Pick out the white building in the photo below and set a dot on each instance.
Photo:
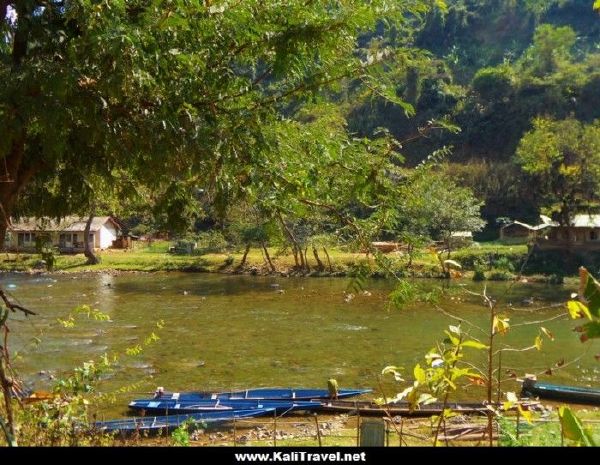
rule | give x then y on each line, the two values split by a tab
66	234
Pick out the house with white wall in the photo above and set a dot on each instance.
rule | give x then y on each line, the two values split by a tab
66	234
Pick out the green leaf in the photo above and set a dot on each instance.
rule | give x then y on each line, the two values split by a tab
572	427
420	374
474	344
591	292
453	339
591	330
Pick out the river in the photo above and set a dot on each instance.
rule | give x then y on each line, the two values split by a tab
228	332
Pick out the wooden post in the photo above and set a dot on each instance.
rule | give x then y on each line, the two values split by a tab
318	430
387	434
357	428
275	428
234	435
372	433
401	428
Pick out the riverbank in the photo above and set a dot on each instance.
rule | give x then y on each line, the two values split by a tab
488	261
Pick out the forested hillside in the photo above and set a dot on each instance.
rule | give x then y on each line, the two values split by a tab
491	67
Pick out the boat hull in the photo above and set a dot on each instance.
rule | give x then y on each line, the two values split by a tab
155	424
569	394
176	407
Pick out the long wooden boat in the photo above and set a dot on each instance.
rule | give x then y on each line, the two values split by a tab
368	408
571	394
153	424
261	394
176	407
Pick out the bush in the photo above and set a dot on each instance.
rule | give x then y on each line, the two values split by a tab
479	275
211	242
501	275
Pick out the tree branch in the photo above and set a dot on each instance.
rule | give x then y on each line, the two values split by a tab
15	307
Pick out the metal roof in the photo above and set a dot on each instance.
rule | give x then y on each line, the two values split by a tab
586	220
67	224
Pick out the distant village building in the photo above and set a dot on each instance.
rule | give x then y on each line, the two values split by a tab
582	234
522	233
67	234
460	239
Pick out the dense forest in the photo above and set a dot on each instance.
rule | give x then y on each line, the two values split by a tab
491	67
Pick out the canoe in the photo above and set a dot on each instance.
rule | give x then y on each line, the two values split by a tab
368	408
572	394
153	424
261	394
176	407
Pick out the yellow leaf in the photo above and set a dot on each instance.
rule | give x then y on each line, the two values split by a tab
526	414
500	325
547	333
578	310
538	343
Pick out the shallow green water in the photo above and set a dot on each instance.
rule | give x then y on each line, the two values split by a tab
225	332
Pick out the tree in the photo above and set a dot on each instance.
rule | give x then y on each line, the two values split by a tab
551	48
175	94
434	205
561	158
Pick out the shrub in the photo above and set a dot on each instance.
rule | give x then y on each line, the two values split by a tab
479	275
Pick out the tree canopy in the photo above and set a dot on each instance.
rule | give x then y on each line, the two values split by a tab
165	96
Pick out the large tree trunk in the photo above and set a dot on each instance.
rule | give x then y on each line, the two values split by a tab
88	251
15	170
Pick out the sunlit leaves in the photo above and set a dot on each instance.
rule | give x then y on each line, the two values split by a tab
573	429
500	324
394	370
587	307
474	344
578	310
89	312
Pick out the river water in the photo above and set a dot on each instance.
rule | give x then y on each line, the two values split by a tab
232	332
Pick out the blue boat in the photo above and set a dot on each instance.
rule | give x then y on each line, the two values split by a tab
153	424
570	394
169	406
260	394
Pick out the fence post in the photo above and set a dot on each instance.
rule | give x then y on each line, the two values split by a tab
234	435
318	429
372	433
275	428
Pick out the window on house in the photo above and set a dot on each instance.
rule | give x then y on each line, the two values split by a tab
593	235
